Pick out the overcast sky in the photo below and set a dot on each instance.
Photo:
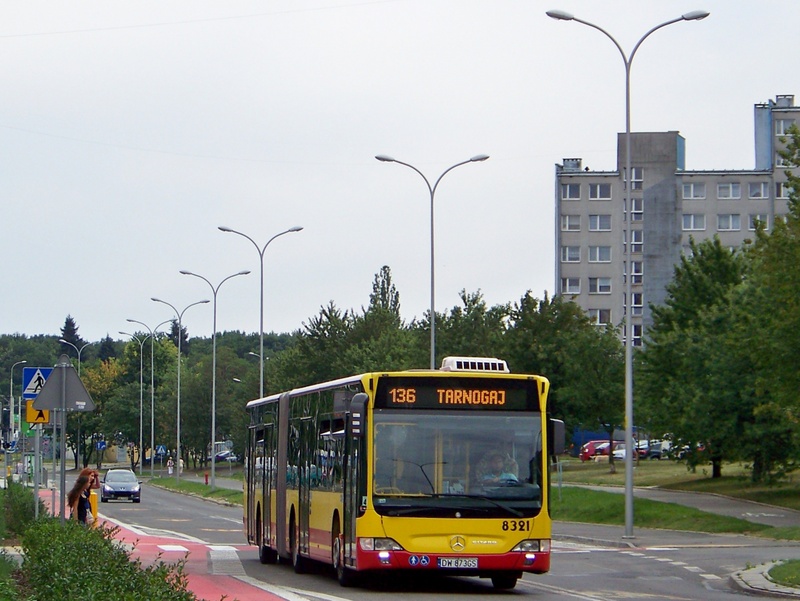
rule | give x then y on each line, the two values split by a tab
129	131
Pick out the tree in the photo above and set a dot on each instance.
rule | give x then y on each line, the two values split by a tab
686	382
555	338
384	294
107	349
69	332
473	329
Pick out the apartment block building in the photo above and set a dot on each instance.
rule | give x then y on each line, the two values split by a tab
668	206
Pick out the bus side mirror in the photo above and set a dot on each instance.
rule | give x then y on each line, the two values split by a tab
556	436
356	423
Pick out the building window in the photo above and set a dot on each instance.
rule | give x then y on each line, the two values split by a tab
762	219
570	285
570	191
694	191
599	285
599	254
782	190
638	303
570	223
599	191
694	222
729	191
758	190
728	223
638	241
599	223
570	254
637	335
638	272
782	126
637	179
781	162
637	209
600	317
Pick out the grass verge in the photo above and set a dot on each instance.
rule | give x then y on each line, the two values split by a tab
583	505
234	497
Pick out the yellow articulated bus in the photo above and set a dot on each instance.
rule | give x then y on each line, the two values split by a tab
424	470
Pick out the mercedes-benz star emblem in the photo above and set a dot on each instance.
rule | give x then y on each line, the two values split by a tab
457	543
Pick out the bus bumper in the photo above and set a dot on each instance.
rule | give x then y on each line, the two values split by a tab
465	565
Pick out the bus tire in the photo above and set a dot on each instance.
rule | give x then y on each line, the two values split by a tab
344	575
504	581
298	561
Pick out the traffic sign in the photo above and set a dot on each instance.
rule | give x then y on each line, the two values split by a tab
35	416
64	390
33	379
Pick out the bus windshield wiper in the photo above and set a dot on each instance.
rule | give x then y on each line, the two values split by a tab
494	502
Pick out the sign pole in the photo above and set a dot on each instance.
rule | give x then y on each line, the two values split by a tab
63	442
36	469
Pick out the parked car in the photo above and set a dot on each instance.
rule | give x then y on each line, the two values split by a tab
589	449
226	456
659	449
120	484
641	450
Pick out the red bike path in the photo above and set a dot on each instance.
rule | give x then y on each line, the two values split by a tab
202	561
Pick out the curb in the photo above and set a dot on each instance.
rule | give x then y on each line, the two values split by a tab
757	581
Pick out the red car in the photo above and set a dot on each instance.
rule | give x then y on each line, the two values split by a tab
589	449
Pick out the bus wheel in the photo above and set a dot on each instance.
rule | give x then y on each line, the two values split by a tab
504	581
344	575
298	562
265	554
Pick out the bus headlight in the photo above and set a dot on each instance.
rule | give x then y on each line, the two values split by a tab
379	544
533	546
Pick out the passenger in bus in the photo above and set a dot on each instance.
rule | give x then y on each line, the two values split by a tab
496	468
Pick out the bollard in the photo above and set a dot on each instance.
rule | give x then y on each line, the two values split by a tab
206	478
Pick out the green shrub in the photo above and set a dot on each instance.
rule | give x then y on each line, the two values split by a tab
70	561
18	509
8	589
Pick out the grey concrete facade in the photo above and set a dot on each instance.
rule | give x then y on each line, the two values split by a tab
669	206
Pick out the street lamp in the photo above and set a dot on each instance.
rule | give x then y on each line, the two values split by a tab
179	315
11	411
432	190
152	389
77	350
261	251
696	15
141	394
214	371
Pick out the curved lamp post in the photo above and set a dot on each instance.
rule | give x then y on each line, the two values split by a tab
77	350
11	410
152	389
214	290
179	315
628	269
141	394
261	250
432	189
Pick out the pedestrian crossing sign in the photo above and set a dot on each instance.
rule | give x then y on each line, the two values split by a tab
33	379
36	416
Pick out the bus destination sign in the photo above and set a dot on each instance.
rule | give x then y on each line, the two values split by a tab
491	394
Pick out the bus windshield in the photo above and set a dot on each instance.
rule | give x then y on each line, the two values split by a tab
424	462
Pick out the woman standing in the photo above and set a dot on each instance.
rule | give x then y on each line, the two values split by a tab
78	499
